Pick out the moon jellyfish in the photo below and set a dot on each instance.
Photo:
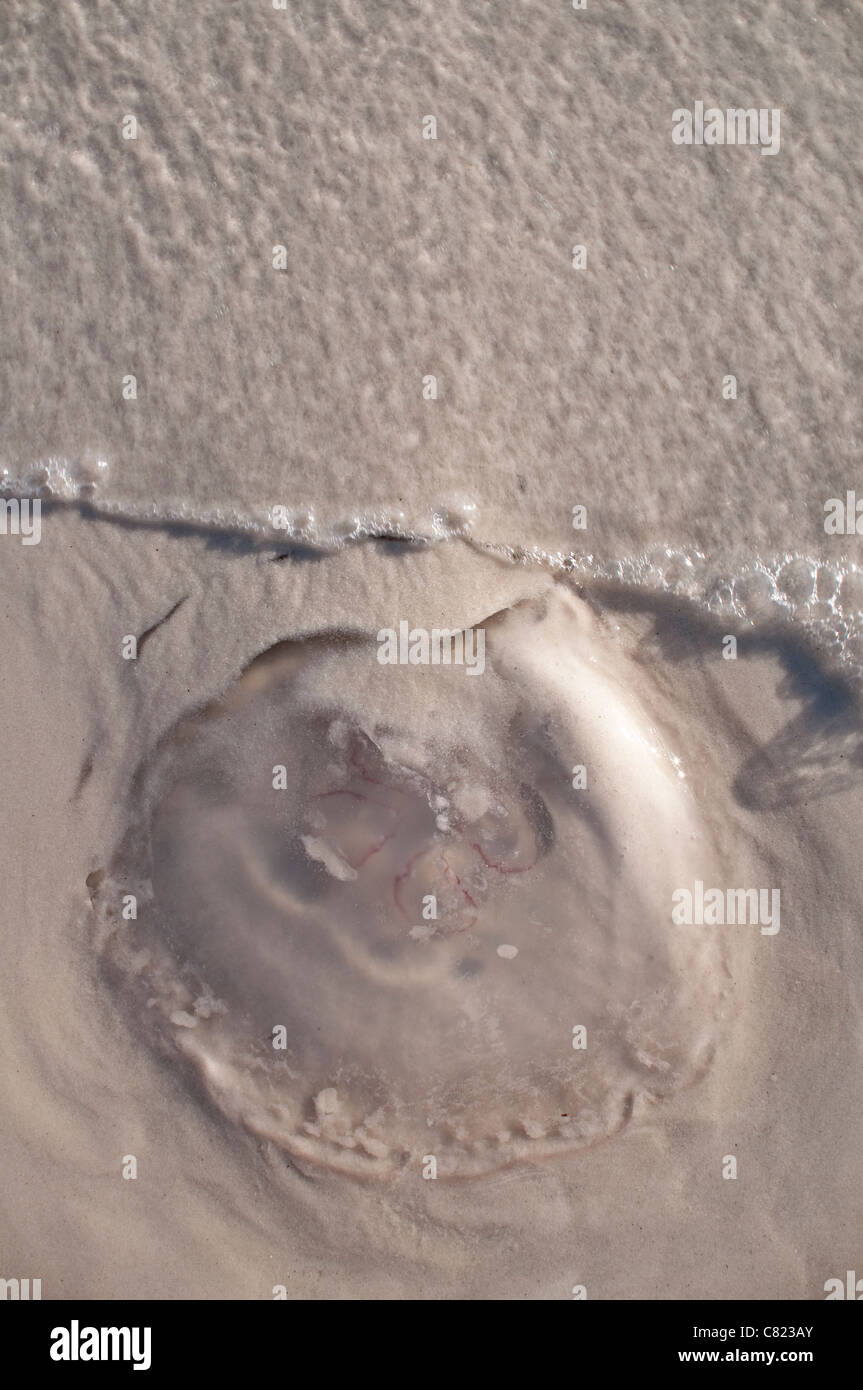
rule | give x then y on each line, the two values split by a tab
388	913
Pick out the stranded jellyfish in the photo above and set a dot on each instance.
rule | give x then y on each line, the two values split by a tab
382	920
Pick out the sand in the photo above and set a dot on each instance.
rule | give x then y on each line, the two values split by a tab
281	1036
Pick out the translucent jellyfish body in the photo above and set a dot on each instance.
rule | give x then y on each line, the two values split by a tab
391	913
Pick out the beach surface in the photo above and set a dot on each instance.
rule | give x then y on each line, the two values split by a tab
285	374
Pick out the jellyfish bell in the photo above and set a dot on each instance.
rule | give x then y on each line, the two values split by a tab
425	909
